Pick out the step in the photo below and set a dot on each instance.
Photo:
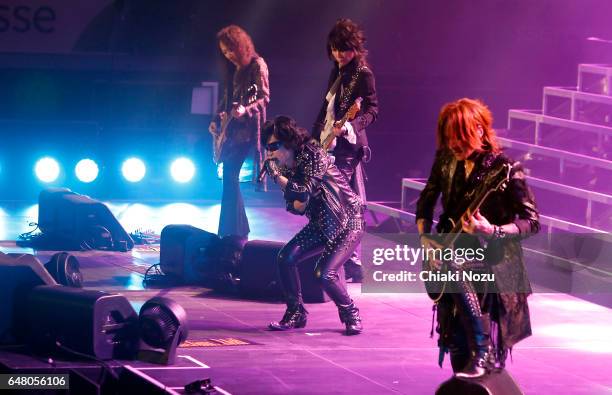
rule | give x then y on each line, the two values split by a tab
551	222
594	78
591	196
577	99
555	153
387	209
540	119
418	183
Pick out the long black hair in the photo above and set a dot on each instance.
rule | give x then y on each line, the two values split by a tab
286	130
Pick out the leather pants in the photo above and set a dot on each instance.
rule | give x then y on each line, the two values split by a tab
310	242
470	331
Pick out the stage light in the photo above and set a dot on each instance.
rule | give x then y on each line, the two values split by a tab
86	170
246	171
182	170
47	169
133	169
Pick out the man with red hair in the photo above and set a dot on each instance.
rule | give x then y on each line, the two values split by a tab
467	151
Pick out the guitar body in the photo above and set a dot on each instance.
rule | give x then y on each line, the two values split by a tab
434	287
220	140
329	136
450	229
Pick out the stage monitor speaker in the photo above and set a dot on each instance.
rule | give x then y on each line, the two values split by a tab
184	249
19	273
69	320
496	383
259	275
73	221
65	269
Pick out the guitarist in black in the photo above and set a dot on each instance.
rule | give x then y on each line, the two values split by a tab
246	69
467	151
350	79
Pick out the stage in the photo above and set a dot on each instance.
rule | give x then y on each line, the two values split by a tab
568	353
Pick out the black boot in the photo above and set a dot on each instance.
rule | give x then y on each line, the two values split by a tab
349	315
482	360
295	317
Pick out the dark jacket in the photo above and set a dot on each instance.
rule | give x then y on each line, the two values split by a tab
515	205
332	204
364	88
248	127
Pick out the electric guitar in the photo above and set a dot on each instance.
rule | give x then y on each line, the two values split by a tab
220	138
495	180
328	136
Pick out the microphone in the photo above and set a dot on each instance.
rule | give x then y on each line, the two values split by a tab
262	172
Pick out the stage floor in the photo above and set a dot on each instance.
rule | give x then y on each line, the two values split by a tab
569	353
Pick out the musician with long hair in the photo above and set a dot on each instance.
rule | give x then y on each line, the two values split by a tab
245	96
313	187
351	77
479	327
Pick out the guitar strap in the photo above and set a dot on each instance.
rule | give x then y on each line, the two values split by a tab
333	89
329	115
347	93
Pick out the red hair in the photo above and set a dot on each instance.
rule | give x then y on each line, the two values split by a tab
463	121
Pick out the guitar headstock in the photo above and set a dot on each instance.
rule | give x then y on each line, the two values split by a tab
354	109
498	178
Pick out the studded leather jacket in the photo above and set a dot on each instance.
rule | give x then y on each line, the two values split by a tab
331	203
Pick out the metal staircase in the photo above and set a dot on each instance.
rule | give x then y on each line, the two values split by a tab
566	148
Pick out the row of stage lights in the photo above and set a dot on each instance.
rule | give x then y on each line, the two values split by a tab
134	170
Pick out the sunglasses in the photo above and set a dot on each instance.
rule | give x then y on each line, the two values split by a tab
274	146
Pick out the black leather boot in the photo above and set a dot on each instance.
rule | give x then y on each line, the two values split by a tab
349	315
295	317
482	360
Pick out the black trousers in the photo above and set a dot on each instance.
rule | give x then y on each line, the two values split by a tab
462	305
233	219
307	243
347	164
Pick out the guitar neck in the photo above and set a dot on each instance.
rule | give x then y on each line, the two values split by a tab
225	123
451	237
330	138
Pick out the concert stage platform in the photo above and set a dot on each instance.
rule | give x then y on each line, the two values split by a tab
569	352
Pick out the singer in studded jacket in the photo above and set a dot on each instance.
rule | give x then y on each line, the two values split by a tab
314	187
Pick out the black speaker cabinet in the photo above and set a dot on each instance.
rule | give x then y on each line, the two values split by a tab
71	219
183	248
90	322
259	276
496	383
19	273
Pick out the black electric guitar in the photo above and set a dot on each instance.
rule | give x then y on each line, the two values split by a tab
220	137
328	136
495	180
